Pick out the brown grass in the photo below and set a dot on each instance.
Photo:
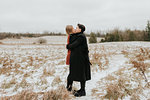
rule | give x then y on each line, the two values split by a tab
1	42
96	58
30	60
24	95
24	83
117	89
58	94
6	85
94	91
138	61
49	71
43	80
56	81
141	67
110	78
61	62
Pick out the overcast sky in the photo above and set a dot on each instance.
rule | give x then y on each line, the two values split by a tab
54	15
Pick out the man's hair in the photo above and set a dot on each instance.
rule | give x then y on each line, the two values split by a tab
82	27
69	29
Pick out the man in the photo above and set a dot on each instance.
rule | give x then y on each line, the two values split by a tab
79	61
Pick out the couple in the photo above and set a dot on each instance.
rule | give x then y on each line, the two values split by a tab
77	59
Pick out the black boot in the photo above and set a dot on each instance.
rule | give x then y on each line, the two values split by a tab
74	91
80	93
69	84
69	88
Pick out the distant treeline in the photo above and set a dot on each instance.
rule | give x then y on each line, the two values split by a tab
124	35
4	35
113	35
128	35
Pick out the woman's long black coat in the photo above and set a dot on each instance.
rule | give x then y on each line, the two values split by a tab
79	58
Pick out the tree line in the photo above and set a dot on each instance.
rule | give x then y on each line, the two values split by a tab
126	35
4	35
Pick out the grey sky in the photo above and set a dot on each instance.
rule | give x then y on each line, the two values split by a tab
54	15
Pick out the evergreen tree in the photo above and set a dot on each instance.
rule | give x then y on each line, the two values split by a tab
116	37
93	38
148	30
98	34
131	36
121	38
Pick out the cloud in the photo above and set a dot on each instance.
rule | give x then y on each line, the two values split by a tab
54	15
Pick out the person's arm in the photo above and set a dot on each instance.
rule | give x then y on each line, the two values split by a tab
75	43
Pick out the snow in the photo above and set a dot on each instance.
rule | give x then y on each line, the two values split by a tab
33	59
95	77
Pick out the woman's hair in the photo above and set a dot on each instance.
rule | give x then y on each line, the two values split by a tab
69	29
82	27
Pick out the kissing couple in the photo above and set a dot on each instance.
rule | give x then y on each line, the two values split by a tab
77	59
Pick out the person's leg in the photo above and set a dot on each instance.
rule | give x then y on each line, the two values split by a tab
81	92
82	83
69	84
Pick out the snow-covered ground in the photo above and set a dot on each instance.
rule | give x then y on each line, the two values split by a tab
49	39
42	67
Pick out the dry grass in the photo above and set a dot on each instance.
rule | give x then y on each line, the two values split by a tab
106	61
120	71
137	58
43	80
49	71
9	66
141	67
110	78
6	85
31	61
94	91
56	81
117	90
58	94
138	62
99	59
24	95
24	83
1	42
125	53
121	89
61	62
26	62
113	92
5	70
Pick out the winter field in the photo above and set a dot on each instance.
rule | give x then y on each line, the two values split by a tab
30	71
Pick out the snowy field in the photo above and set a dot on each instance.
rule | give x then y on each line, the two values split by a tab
120	70
50	40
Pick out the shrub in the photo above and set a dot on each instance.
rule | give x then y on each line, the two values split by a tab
1	42
93	38
102	40
42	41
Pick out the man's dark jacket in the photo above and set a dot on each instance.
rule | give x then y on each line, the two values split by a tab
79	58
